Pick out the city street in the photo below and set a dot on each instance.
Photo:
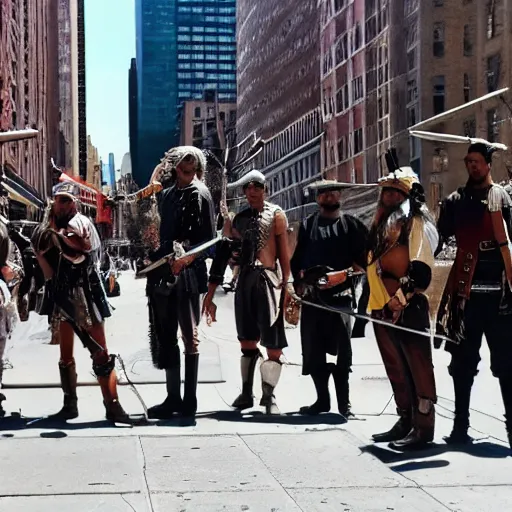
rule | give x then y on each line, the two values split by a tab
229	461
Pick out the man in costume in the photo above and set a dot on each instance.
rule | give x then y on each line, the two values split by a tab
328	241
187	219
477	299
400	260
67	247
260	235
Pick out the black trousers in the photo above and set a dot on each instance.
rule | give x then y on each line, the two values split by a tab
170	309
323	332
481	316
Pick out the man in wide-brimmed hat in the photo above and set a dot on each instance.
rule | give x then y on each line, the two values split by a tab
330	244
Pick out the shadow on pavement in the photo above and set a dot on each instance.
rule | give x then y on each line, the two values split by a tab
17	423
484	450
285	419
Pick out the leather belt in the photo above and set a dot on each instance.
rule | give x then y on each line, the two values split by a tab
488	245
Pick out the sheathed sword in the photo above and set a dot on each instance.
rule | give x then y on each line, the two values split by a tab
195	250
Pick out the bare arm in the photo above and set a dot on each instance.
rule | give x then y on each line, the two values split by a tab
283	249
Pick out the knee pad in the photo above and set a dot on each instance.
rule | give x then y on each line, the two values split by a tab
251	352
103	364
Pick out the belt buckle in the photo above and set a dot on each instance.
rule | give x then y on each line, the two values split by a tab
487	245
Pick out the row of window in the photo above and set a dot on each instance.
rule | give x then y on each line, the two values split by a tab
226	97
208	30
207	10
199	66
185	38
207	47
210	112
186	86
194	18
205	56
207	76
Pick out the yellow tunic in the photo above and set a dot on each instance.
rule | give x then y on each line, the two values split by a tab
420	248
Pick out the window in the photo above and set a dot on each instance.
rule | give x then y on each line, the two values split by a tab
411	59
358	141
493	72
438	39
357	37
493	130
342	149
357	88
342	99
491	19
197	112
412	90
470	127
412	115
468	46
342	49
439	89
466	88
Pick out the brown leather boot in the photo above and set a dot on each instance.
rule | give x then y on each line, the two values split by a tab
422	433
113	408
398	431
68	381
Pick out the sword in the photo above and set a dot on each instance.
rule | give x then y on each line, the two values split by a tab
349	312
191	252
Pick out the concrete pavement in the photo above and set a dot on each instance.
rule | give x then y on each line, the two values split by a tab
233	462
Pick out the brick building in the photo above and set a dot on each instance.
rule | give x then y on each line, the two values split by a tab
28	81
465	55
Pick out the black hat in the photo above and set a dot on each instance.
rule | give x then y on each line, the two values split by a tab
485	150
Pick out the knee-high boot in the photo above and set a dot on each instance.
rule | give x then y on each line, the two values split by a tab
190	397
68	382
270	374
506	393
248	364
2	396
462	385
341	382
173	403
320	378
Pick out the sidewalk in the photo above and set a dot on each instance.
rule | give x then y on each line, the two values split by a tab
233	462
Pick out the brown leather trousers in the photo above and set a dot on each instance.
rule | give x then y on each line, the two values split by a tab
407	358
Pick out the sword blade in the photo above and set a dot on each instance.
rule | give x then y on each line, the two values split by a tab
349	312
191	252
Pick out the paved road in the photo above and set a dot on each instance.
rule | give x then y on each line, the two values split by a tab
228	461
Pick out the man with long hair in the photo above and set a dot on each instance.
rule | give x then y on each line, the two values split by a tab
67	247
403	239
187	219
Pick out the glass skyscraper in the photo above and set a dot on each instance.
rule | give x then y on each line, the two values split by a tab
183	48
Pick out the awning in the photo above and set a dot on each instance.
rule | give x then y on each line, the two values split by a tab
17	186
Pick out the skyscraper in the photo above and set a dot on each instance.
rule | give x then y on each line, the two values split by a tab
183	48
133	119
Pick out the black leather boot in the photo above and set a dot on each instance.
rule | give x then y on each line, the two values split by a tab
422	432
68	382
506	393
248	364
462	385
341	382
399	430
323	402
173	403
2	410
190	398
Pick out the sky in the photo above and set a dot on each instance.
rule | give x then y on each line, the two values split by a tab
109	48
